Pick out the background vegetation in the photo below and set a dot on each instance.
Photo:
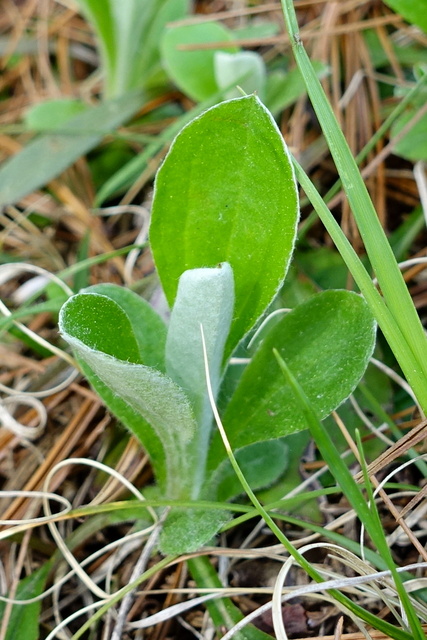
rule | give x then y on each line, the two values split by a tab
91	96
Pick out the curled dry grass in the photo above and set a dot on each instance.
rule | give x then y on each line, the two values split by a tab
57	58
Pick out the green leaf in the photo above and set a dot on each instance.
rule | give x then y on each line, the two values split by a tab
86	322
134	422
24	619
101	324
223	612
205	297
128	37
148	328
245	69
52	114
414	11
99	15
169	11
413	146
48	155
262	464
186	530
327	342
226	193
193	71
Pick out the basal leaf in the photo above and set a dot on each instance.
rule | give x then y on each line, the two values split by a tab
244	68
205	297
262	464
186	530
101	324
48	155
226	193
100	333
148	328
327	342
193	70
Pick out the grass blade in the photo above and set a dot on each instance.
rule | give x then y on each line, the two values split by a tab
392	284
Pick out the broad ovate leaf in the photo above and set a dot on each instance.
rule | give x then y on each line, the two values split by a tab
326	342
101	335
148	328
262	464
245	69
226	193
192	70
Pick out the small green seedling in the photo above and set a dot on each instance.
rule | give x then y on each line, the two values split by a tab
223	228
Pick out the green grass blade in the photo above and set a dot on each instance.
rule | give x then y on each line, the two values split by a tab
366	512
222	611
384	548
380	254
377	623
407	100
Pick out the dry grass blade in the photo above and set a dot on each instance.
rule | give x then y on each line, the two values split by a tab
406	442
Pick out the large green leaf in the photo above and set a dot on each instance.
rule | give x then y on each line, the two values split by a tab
148	328
193	70
414	11
48	155
226	192
327	342
101	335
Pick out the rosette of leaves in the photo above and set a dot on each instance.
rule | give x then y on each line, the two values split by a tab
223	228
